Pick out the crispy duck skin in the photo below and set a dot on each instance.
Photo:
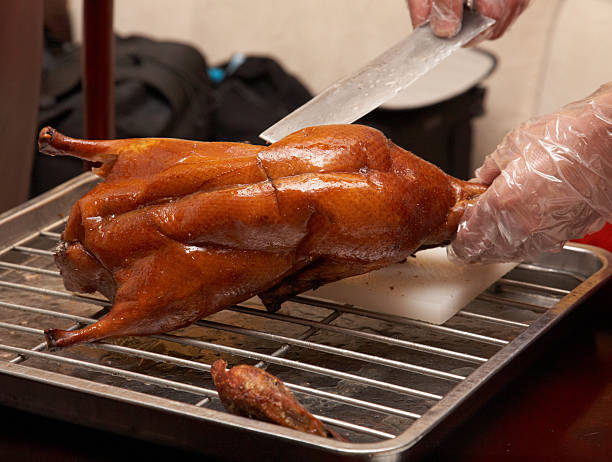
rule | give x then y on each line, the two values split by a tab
182	229
252	392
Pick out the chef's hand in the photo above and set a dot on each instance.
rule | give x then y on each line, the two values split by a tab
445	15
550	181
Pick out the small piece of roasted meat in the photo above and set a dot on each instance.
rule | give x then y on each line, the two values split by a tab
252	392
182	229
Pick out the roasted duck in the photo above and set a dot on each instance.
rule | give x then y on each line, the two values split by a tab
251	392
181	229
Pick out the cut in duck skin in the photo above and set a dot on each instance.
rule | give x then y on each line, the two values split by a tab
180	229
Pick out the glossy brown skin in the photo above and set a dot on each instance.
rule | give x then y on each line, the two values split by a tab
252	392
182	229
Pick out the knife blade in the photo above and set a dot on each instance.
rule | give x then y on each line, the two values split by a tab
353	97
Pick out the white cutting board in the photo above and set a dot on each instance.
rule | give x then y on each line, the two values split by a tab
428	287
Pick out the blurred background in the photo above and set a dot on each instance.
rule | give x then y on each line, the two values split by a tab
245	64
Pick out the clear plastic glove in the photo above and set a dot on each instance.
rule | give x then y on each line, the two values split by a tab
550	181
445	15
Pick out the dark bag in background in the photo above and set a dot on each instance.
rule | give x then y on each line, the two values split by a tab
165	89
252	93
162	89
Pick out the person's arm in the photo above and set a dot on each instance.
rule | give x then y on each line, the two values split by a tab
445	15
550	181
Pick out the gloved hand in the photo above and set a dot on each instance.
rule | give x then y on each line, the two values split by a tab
550	181
445	15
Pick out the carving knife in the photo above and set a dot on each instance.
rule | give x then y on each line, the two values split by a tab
353	97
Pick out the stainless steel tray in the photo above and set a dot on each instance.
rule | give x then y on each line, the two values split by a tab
386	383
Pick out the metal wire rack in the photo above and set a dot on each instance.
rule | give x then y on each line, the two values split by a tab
375	378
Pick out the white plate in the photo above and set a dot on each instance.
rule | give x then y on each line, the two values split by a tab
456	74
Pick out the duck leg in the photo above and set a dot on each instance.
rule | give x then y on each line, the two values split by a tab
251	392
151	299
